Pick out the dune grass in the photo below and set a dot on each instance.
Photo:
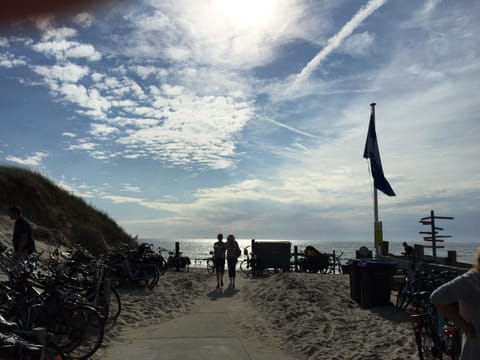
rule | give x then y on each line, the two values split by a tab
53	210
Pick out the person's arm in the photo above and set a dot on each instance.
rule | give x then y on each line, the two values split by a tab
451	313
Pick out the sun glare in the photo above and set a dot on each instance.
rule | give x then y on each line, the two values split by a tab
247	13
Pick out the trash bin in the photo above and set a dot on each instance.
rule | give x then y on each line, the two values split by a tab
375	283
355	286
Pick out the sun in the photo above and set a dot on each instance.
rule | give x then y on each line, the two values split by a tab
247	13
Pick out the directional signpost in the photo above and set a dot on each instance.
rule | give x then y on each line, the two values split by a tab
434	238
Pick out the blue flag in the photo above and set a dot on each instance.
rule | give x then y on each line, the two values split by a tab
371	152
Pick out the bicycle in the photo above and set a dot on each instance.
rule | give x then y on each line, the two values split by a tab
410	285
335	263
211	264
251	265
434	336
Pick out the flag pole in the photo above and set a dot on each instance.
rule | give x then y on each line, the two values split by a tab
375	205
379	181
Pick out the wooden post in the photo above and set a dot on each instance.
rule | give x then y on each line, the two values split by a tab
418	251
177	255
451	257
434	244
295	257
385	248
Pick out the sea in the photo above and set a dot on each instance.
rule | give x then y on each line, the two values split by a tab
198	249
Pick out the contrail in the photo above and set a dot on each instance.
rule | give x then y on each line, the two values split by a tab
336	40
290	128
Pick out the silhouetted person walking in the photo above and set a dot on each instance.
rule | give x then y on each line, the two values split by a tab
22	239
233	252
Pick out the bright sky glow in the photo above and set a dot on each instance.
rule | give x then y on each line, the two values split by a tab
184	118
247	13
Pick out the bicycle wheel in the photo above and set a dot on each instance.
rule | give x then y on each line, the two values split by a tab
147	275
401	296
210	267
79	332
453	346
114	305
430	348
245	267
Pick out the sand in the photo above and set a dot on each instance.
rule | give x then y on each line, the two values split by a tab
309	316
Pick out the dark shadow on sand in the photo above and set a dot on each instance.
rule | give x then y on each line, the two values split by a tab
230	291
215	294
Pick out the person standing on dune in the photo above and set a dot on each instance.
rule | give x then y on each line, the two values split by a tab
22	239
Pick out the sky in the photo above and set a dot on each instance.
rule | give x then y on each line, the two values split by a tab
185	118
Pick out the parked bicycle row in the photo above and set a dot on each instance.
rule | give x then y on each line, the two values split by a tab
73	296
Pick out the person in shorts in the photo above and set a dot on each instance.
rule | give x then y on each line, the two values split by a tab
219	259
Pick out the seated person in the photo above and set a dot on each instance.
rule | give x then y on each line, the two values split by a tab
408	249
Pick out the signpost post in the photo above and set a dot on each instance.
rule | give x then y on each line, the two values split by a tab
434	238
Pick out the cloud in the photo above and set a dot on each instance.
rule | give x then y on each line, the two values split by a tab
358	44
33	160
58	47
130	188
91	101
195	130
69	134
9	61
335	41
102	130
69	72
83	19
205	33
83	146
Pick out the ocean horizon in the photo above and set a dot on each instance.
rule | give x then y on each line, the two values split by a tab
199	249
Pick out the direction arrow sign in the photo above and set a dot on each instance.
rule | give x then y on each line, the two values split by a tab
430	246
444	217
425	222
428	238
427	232
438	228
443	236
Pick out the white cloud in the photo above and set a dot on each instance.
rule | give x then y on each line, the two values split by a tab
102	130
130	188
83	146
69	134
195	129
145	71
204	33
58	34
358	44
63	49
33	160
64	73
9	61
4	42
91	100
83	19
